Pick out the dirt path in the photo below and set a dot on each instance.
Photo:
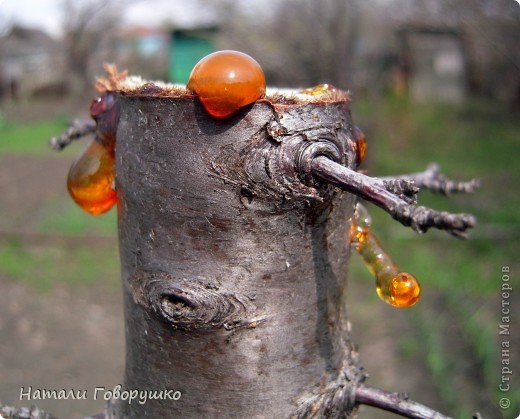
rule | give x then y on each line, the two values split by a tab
68	337
27	183
59	340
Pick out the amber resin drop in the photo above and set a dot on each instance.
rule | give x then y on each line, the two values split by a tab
225	81
399	289
361	145
320	89
404	290
91	179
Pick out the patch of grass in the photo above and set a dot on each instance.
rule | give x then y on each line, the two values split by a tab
479	326
459	136
78	266
31	137
474	139
439	363
67	218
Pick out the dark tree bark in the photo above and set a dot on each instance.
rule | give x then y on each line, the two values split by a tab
234	262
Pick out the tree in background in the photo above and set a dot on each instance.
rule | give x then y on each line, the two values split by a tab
353	44
87	27
300	42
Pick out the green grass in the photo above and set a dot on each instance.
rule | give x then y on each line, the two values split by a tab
29	138
76	266
67	218
475	139
42	266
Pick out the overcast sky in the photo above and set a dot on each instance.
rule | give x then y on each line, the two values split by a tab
46	14
34	13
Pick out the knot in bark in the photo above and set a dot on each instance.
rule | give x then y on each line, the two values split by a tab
189	305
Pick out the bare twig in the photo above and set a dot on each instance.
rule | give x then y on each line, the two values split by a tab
79	128
398	206
435	181
395	402
112	80
405	189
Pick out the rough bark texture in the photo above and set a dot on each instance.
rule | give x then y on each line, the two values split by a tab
234	261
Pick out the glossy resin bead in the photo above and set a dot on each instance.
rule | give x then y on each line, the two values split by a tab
405	290
399	289
320	89
361	145
91	179
225	81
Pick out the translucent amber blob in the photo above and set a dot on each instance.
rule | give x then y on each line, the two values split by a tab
320	89
359	229
361	145
399	289
91	179
225	81
404	290
362	218
358	236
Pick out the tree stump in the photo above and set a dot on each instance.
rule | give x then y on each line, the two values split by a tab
234	239
234	258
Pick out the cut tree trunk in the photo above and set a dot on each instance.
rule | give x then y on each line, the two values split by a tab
234	259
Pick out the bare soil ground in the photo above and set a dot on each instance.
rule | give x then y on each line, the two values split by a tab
68	337
26	183
59	340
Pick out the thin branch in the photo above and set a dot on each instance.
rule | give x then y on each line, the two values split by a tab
435	181
405	189
403	210
78	129
395	402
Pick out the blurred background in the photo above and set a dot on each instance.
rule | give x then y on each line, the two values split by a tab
431	81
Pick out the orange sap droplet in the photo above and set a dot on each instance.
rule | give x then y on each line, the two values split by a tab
91	179
225	81
404	290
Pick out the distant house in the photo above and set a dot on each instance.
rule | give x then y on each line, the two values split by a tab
142	40
187	47
143	50
433	62
29	59
162	53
